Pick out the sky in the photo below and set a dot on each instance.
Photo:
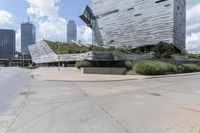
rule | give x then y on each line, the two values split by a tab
51	16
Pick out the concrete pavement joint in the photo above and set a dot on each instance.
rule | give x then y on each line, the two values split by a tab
42	116
103	109
190	109
18	113
21	108
170	128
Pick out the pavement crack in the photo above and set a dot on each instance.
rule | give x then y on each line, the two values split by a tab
18	113
104	110
190	109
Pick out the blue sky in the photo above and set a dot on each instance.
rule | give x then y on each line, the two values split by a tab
51	16
69	9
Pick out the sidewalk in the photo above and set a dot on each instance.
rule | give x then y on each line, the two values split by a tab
71	74
75	75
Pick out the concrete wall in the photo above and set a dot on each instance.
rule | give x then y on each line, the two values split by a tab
96	70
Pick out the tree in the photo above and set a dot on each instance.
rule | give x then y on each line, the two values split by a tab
164	50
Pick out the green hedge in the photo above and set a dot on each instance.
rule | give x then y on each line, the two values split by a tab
153	68
188	68
161	68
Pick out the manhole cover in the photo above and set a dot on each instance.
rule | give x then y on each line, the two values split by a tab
155	94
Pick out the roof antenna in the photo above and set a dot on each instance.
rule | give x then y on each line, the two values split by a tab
28	20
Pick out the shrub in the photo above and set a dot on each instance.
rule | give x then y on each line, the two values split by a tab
155	68
164	50
171	68
80	64
127	64
160	68
188	68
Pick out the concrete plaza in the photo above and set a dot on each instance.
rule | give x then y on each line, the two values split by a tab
108	104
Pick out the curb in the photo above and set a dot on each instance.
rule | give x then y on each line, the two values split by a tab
173	75
128	79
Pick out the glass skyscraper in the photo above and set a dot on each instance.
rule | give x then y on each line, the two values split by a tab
7	43
28	36
71	31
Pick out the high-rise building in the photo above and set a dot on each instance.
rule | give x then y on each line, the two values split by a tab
139	23
28	36
7	43
71	31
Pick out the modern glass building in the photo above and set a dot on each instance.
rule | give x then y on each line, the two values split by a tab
7	43
71	31
139	23
28	36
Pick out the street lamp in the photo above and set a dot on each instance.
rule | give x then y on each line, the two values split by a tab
23	59
58	57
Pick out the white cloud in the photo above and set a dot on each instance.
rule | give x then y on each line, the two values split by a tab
193	12
193	28
50	24
5	17
84	34
193	42
18	41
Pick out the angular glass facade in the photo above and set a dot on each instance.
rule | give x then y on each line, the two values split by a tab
7	43
139	23
28	36
71	31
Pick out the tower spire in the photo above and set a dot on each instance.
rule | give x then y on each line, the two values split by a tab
28	19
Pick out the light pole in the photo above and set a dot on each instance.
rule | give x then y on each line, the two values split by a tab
20	60
58	57
23	59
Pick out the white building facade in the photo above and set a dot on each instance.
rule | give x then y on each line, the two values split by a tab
139	23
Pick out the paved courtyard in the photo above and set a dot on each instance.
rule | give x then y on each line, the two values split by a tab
127	104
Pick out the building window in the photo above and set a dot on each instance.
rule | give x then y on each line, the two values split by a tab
159	1
167	5
138	14
132	8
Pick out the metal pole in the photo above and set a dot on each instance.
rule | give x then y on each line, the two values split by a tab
23	59
93	32
20	61
58	57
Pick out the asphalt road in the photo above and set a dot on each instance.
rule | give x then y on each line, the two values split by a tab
164	105
12	83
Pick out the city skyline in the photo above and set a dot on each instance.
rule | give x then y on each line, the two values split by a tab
62	11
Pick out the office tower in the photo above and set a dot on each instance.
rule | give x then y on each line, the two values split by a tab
28	36
7	43
138	23
71	31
